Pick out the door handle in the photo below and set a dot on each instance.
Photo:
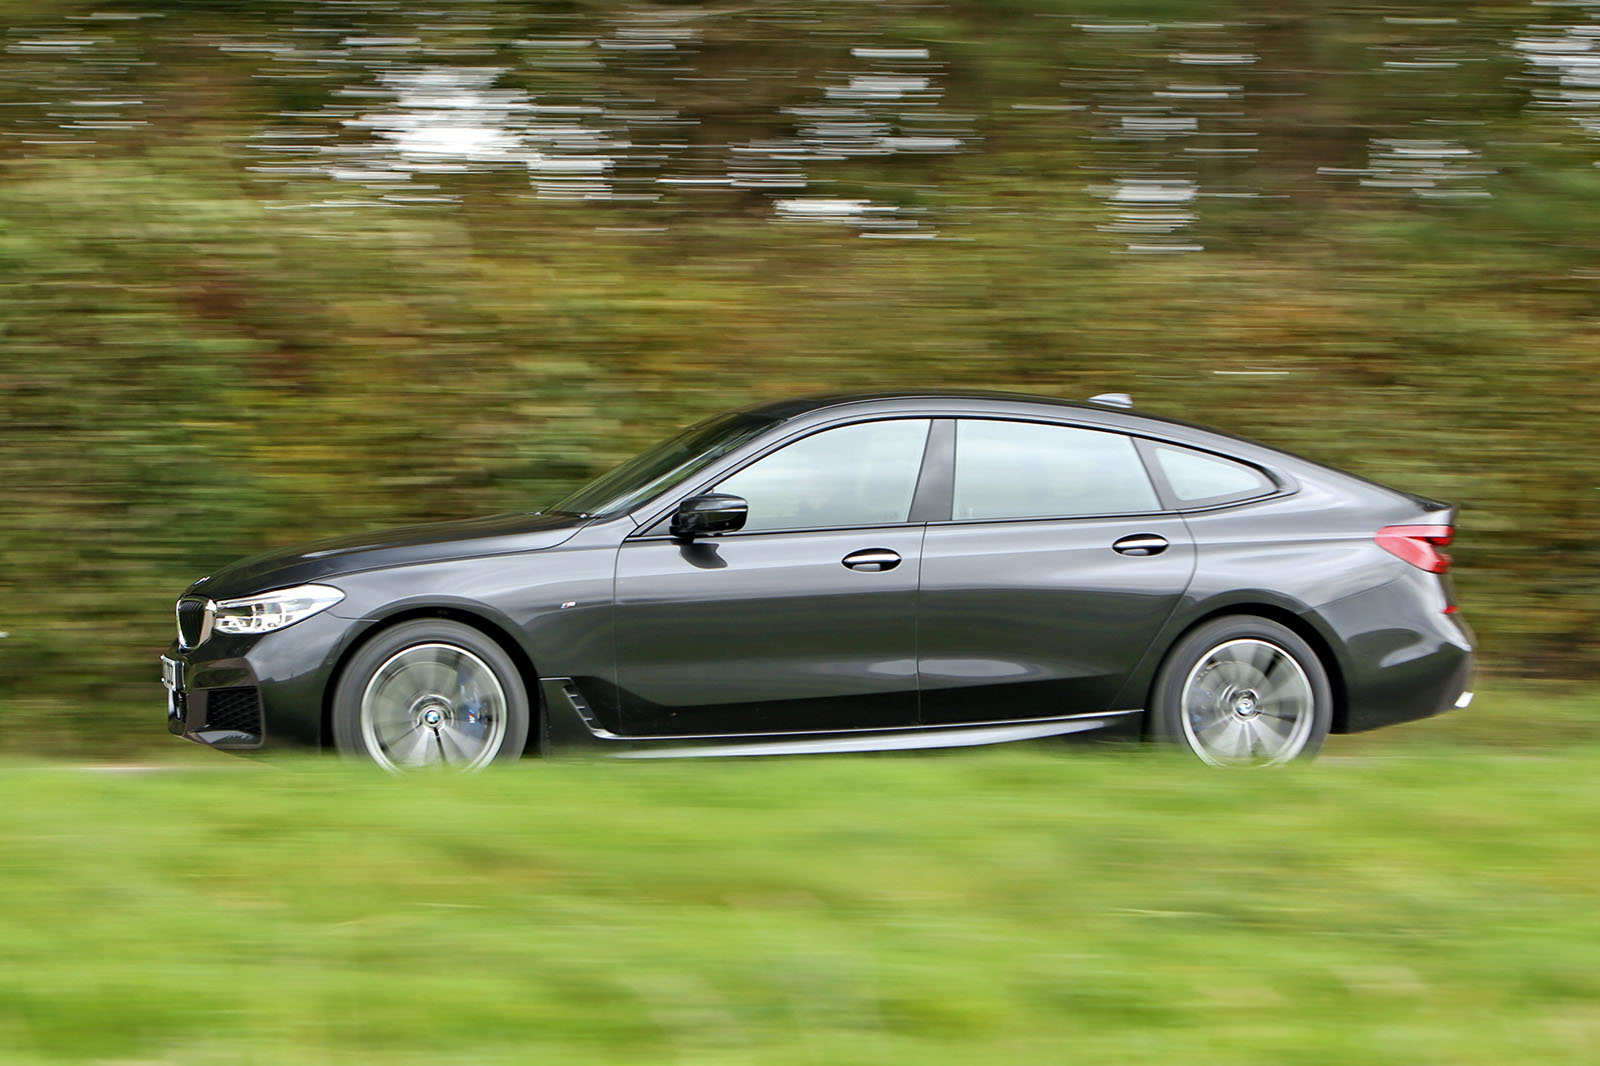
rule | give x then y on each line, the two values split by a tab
1141	544
872	560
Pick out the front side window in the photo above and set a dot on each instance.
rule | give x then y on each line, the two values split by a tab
860	475
1033	470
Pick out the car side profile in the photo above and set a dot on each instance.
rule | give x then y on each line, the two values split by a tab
853	573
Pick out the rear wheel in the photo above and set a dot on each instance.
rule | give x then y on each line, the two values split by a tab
431	694
1243	691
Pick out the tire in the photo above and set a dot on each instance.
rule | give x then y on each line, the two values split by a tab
1242	691
430	693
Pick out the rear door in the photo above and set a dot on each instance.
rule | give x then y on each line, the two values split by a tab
1055	571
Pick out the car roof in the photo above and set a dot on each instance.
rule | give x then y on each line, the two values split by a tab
800	405
955	402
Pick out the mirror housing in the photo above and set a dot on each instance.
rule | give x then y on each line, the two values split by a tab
704	516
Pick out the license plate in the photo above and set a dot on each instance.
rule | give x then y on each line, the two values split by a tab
172	674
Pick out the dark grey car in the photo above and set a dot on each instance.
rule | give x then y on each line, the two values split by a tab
854	573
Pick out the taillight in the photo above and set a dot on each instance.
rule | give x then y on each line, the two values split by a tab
1417	545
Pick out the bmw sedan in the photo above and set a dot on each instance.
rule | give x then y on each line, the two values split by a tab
851	574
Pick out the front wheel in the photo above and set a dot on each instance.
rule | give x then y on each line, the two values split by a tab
1242	691
430	693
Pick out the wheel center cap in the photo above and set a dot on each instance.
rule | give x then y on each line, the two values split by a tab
1244	705
433	714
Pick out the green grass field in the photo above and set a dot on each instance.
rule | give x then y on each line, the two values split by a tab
1421	895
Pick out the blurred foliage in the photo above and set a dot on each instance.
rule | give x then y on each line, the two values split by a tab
269	272
1025	905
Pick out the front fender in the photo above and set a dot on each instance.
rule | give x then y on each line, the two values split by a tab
556	606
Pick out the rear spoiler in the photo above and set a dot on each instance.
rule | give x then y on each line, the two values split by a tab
1432	508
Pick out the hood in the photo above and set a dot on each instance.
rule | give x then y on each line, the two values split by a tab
323	559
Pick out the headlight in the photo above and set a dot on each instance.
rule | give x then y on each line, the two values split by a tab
274	610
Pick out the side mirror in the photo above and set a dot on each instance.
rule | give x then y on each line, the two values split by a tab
701	516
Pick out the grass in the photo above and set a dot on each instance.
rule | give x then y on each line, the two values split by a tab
1425	898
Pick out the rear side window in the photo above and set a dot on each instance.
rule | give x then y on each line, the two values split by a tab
1031	470
1199	478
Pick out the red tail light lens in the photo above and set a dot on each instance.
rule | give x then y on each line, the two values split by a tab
1418	545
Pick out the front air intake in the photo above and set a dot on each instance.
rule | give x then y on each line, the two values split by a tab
234	709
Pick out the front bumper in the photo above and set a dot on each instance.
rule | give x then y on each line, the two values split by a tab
246	693
216	703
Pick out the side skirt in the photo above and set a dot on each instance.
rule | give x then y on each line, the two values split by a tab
570	725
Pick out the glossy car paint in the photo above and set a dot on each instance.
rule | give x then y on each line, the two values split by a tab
635	640
1040	614
767	632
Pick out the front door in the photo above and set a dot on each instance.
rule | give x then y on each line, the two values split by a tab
805	621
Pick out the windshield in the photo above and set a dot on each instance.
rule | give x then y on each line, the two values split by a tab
664	466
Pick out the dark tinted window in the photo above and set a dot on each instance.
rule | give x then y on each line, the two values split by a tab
860	475
1029	470
1201	478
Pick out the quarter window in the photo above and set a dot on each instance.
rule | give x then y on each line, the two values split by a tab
1031	470
860	475
1198	478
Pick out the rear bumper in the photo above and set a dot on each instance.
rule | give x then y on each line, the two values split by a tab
1401	656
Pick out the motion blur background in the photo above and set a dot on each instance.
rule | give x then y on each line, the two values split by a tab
271	271
277	269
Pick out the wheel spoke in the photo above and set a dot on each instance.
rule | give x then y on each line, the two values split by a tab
435	676
1288	707
389	709
466	751
1230	742
1289	704
1275	736
1206	719
1268	742
1210	688
1287	682
401	736
414	751
1262	657
1234	673
1244	742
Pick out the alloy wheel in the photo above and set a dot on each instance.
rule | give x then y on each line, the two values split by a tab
1247	702
433	705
